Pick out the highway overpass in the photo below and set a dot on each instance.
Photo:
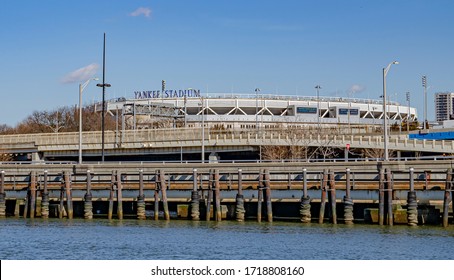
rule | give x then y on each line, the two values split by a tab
150	142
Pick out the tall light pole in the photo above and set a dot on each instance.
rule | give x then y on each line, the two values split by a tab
407	95
257	90
385	114
185	100
424	84
318	87
81	89
163	89
203	129
103	85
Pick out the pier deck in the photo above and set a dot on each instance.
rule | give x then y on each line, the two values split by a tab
74	189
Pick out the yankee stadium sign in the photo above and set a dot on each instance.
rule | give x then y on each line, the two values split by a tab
167	93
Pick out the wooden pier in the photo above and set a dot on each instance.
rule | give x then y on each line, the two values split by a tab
413	192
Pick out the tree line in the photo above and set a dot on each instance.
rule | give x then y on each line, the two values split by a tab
62	119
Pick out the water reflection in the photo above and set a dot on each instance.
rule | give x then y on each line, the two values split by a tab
179	239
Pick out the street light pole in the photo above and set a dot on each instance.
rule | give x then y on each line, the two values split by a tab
185	110
257	90
318	87
103	85
385	114
203	130
408	115
424	84
81	89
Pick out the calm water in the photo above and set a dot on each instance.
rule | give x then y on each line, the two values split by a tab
131	239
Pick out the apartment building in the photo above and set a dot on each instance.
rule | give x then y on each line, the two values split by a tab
444	106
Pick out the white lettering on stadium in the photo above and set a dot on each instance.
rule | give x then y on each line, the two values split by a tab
167	93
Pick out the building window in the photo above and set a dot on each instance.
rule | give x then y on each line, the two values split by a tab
344	111
306	110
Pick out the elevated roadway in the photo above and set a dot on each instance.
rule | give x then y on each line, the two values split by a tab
191	140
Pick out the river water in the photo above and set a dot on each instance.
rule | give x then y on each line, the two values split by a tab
100	239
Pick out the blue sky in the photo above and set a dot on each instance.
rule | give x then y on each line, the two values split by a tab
284	47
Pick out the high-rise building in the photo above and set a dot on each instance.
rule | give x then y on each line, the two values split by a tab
444	106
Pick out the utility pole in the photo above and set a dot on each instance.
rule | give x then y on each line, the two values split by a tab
424	84
103	85
163	89
318	87
408	115
385	114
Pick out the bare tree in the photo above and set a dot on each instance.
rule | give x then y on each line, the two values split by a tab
376	153
325	147
270	152
6	129
63	119
6	157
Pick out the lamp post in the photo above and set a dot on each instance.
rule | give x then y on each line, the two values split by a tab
408	115
103	85
424	84
257	90
318	87
203	130
385	114
185	100
81	89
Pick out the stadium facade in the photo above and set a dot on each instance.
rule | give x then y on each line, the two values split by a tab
190	108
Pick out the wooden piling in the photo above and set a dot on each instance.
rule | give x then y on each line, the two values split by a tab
447	197
30	199
259	203
61	208
119	197
389	193
259	197
88	204
305	204
111	196
156	195
141	199
165	205
45	197
195	202
412	205
347	182
267	186
217	196
348	201
69	200
321	214
26	203
210	195
332	196
32	194
381	197
2	195
426	180
17	208
239	208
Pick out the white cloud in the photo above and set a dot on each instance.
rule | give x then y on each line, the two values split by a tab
142	11
81	74
356	89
